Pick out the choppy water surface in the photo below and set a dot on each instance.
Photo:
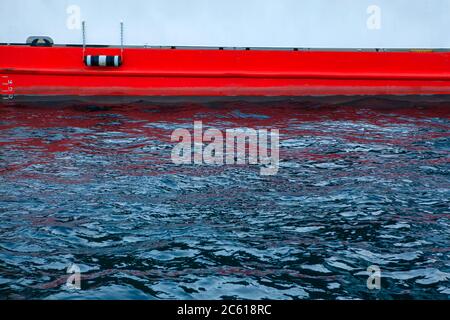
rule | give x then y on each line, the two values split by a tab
358	185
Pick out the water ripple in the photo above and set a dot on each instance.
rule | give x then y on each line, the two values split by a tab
95	186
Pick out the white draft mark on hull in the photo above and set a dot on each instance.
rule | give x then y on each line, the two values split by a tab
7	88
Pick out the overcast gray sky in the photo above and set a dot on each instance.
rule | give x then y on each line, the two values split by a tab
279	23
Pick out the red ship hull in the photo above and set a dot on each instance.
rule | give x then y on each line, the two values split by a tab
60	71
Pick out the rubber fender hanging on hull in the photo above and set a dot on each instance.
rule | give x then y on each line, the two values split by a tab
102	61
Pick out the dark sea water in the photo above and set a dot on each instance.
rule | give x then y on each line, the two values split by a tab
359	184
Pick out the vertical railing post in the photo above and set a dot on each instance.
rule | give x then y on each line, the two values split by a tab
83	30
121	40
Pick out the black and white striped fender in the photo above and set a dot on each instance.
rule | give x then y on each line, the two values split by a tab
103	61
